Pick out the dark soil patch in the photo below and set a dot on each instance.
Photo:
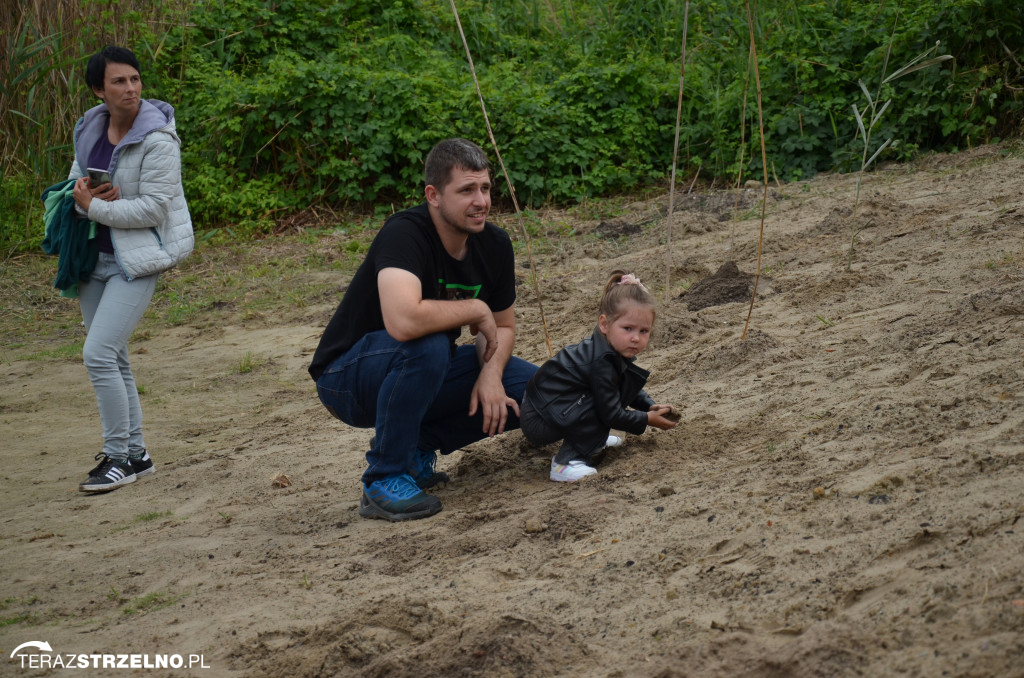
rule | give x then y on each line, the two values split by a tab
728	284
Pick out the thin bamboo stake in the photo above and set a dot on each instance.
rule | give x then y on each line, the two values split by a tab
764	168
675	158
508	179
695	175
743	153
743	131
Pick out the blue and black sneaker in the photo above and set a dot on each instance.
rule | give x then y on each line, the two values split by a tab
424	471
397	498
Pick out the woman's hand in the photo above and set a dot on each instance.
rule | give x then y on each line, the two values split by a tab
662	416
84	193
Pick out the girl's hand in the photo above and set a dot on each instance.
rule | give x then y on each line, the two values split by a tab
662	416
671	415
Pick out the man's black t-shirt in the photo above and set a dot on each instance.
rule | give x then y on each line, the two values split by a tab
409	241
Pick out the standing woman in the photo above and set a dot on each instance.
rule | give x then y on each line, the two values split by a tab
143	228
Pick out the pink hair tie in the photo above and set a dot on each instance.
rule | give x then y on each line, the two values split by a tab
630	279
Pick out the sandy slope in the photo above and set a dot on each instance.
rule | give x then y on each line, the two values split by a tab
842	497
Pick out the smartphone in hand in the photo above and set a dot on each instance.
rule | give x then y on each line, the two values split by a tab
98	177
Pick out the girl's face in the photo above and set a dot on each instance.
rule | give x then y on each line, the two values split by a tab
629	333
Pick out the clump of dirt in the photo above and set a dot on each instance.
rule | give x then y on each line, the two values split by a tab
836	221
617	228
727	285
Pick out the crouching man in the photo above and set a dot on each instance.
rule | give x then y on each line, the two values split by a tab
388	357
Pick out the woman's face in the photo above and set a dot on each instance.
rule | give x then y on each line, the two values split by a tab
629	333
122	87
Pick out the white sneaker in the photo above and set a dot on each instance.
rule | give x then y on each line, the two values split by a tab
571	472
613	441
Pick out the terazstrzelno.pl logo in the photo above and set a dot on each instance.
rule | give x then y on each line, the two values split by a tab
39	655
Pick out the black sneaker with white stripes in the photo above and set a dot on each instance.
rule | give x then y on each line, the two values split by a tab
109	475
142	464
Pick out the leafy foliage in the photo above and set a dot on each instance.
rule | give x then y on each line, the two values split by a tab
286	104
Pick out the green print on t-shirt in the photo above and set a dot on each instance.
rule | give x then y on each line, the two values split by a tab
456	292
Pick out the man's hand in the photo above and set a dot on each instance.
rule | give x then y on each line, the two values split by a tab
489	397
489	331
488	392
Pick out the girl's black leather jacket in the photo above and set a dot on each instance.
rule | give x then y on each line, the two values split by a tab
589	383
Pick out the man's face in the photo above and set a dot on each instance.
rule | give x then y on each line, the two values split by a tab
465	201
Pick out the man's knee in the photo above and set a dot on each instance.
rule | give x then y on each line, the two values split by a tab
430	354
517	375
435	346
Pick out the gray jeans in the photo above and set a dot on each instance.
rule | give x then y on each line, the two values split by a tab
111	308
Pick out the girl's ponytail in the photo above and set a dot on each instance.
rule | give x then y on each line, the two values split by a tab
623	287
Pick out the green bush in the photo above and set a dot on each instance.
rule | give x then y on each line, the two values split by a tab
21	212
286	104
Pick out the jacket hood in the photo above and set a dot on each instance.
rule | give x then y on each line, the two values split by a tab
154	116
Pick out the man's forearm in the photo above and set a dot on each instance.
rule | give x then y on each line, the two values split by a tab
430	316
498	361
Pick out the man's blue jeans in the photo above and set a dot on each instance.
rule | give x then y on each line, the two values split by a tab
415	394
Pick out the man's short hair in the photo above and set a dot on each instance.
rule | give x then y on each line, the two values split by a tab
456	153
96	69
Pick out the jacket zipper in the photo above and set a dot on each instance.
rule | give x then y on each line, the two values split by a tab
574	405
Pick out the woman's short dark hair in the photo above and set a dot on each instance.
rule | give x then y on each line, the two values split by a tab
451	154
96	69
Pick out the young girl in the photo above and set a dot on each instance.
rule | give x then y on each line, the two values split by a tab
585	390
